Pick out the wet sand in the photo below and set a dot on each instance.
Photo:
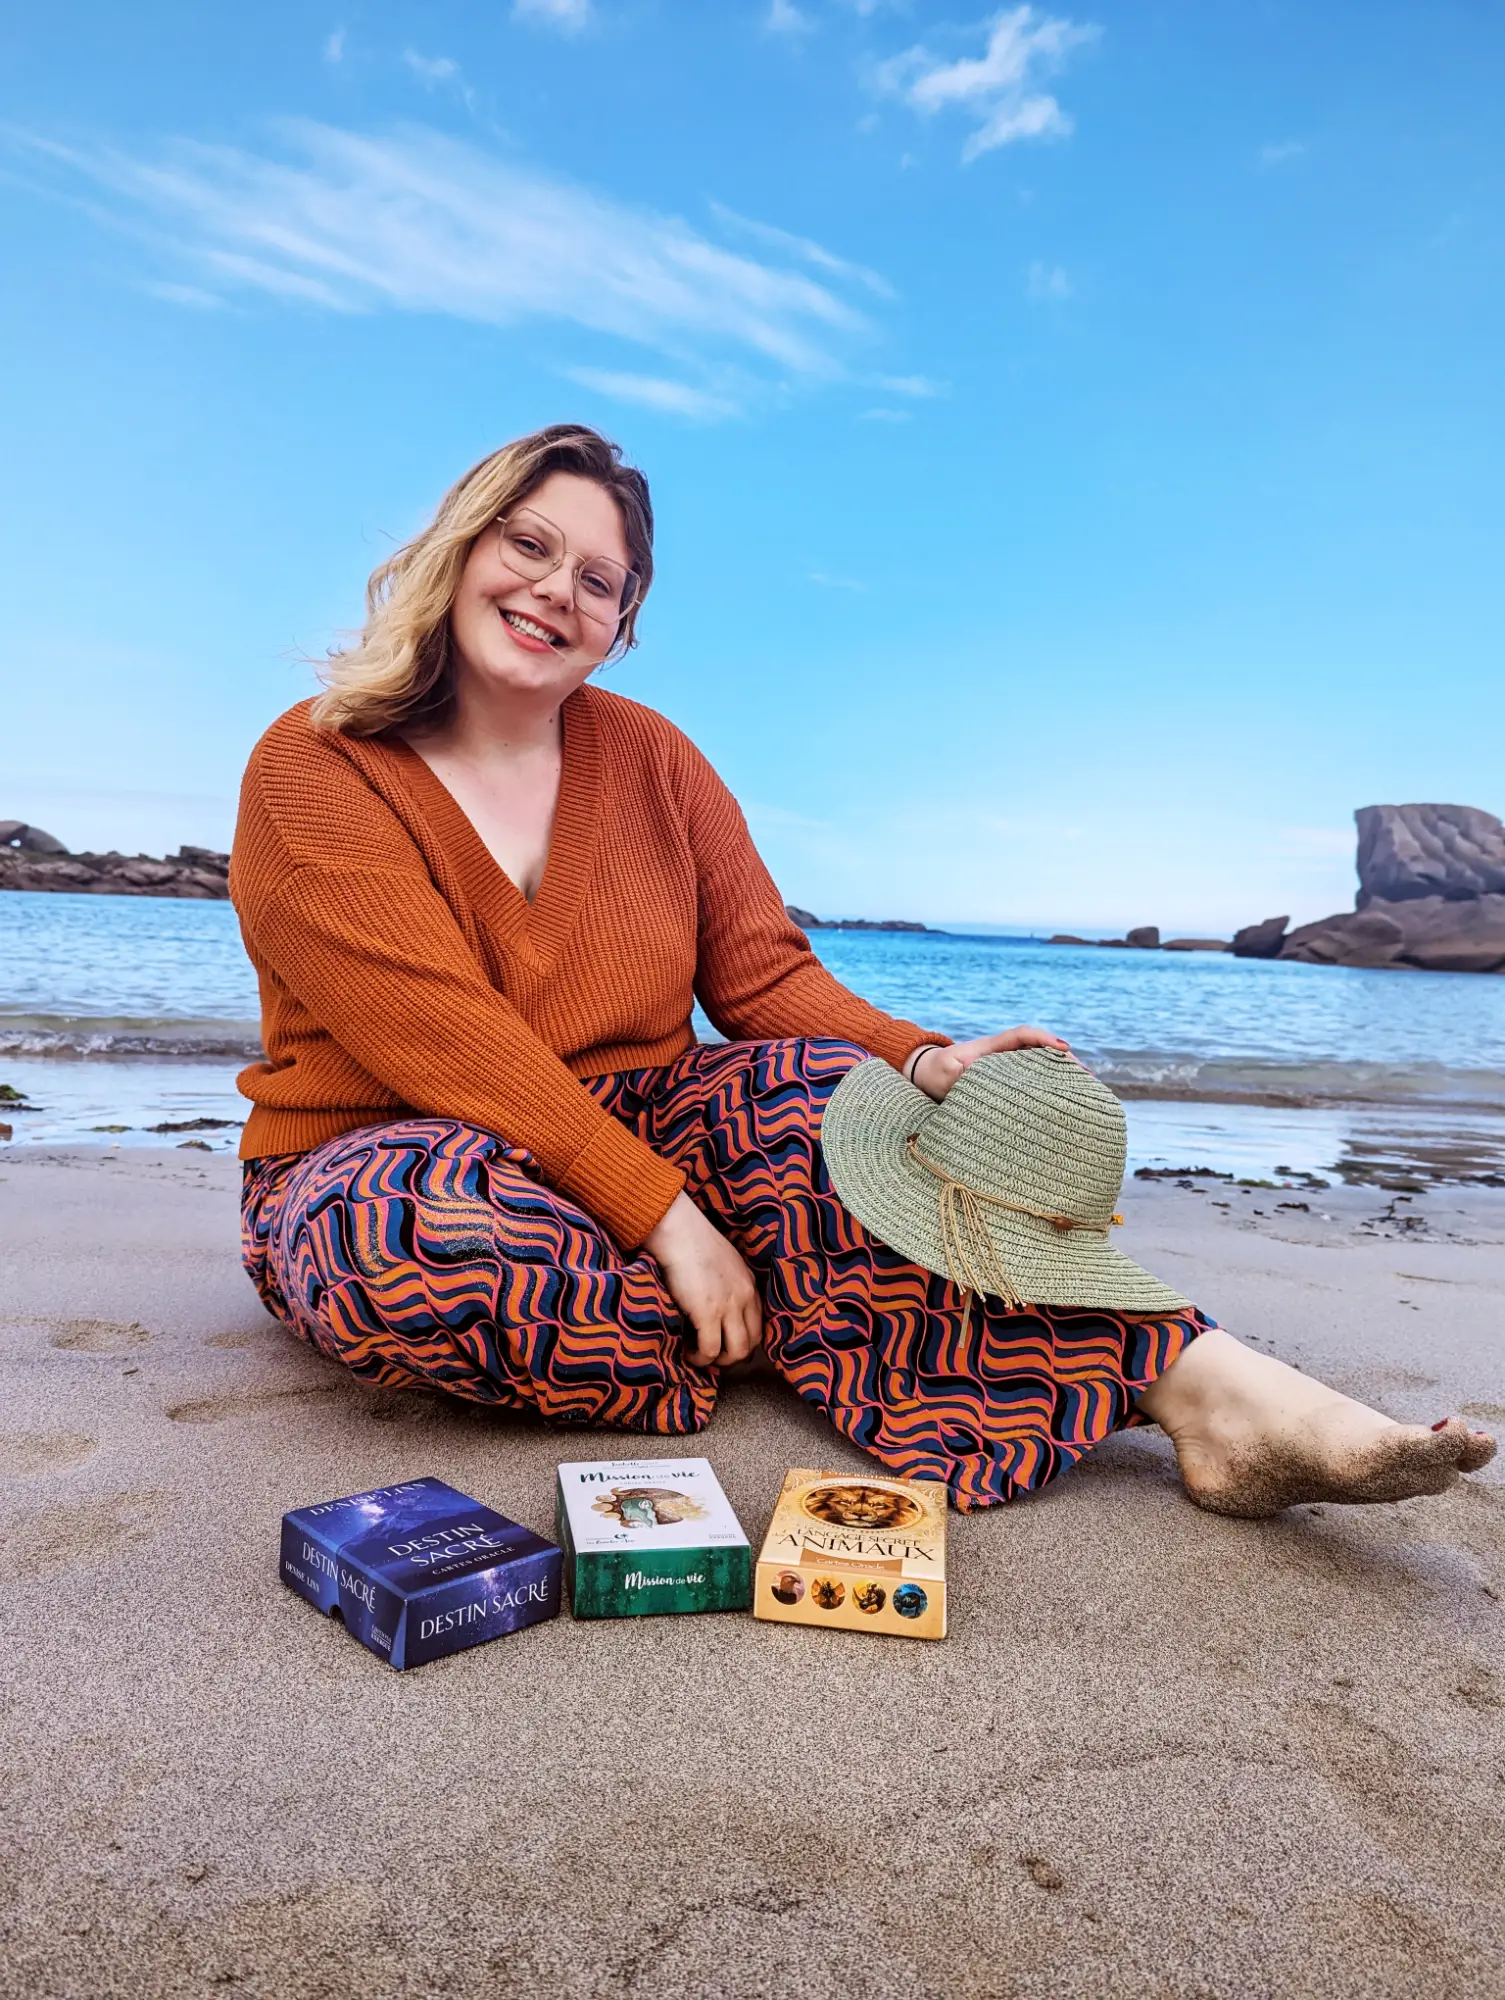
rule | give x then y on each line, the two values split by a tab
1162	1753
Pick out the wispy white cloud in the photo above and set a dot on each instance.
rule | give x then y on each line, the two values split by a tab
439	72
1279	151
192	296
802	247
418	222
910	385
568	16
1046	281
885	416
784	18
999	90
431	69
334	46
835	582
654	392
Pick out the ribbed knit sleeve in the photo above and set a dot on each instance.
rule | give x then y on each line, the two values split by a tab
756	976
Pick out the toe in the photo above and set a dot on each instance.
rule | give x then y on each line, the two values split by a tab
1474	1448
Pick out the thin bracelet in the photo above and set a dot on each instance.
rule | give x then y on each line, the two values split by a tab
914	1061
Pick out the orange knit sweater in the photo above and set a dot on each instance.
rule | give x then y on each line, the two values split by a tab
402	971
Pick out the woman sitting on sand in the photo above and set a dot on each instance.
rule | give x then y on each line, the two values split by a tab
486	1154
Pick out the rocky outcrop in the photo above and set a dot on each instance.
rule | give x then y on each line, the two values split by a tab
1409	853
31	859
1144	937
29	839
808	921
1431	895
1429	933
1260	940
1364	937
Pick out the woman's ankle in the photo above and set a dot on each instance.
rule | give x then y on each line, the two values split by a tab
1204	1375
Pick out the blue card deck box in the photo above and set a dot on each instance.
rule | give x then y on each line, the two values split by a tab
419	1570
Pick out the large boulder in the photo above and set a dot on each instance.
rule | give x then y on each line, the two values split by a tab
1441	935
1407	853
16	833
1144	937
1433	933
1260	940
1353	937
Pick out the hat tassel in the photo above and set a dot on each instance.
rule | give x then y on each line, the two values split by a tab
970	1250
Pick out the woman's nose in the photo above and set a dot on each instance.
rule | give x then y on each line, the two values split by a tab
558	587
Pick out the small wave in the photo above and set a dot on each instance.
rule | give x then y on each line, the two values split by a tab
1131	1073
1250	1080
103	1037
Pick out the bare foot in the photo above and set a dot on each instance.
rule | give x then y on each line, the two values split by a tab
1253	1437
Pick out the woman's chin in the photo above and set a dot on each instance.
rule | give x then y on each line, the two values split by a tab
527	673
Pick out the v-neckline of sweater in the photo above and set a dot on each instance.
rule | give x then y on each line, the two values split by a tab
544	924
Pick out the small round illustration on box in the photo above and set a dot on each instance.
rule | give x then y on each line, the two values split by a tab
859	1504
788	1588
648	1506
869	1597
910	1601
828	1592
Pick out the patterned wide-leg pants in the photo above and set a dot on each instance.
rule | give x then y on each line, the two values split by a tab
428	1252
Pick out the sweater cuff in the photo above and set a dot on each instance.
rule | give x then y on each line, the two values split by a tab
900	1040
622	1182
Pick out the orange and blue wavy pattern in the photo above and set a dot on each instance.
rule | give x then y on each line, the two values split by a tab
426	1252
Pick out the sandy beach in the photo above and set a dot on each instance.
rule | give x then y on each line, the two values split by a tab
1162	1753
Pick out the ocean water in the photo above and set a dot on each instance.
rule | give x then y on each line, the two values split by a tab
125	1012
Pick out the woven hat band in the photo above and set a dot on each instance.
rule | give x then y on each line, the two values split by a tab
971	1253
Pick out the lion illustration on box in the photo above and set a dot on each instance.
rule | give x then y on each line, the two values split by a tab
859	1505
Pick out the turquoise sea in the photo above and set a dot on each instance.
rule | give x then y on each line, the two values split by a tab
133	1013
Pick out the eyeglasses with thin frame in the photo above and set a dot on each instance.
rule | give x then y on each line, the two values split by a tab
535	548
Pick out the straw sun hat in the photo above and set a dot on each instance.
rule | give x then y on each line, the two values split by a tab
1006	1186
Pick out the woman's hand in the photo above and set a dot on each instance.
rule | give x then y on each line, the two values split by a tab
934	1070
709	1283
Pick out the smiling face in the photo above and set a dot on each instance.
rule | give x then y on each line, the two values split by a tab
542	636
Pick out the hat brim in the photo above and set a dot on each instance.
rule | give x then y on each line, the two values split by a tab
868	1121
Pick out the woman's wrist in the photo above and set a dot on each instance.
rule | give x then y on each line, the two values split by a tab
913	1060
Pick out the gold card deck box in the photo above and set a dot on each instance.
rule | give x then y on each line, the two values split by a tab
860	1551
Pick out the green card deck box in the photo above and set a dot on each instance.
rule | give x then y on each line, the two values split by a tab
649	1535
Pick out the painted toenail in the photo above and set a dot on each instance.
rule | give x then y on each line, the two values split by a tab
1443	1425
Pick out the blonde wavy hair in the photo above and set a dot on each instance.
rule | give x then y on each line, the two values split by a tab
400	672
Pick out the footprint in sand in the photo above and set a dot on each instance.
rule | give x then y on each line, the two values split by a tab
31	1452
45	1544
241	1337
1481	1688
222	1409
1492	1413
1044	1874
100	1336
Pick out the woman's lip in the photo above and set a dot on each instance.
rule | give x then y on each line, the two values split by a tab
526	640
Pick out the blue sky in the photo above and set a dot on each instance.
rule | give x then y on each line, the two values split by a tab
1075	432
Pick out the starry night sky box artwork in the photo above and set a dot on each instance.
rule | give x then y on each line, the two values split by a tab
419	1570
